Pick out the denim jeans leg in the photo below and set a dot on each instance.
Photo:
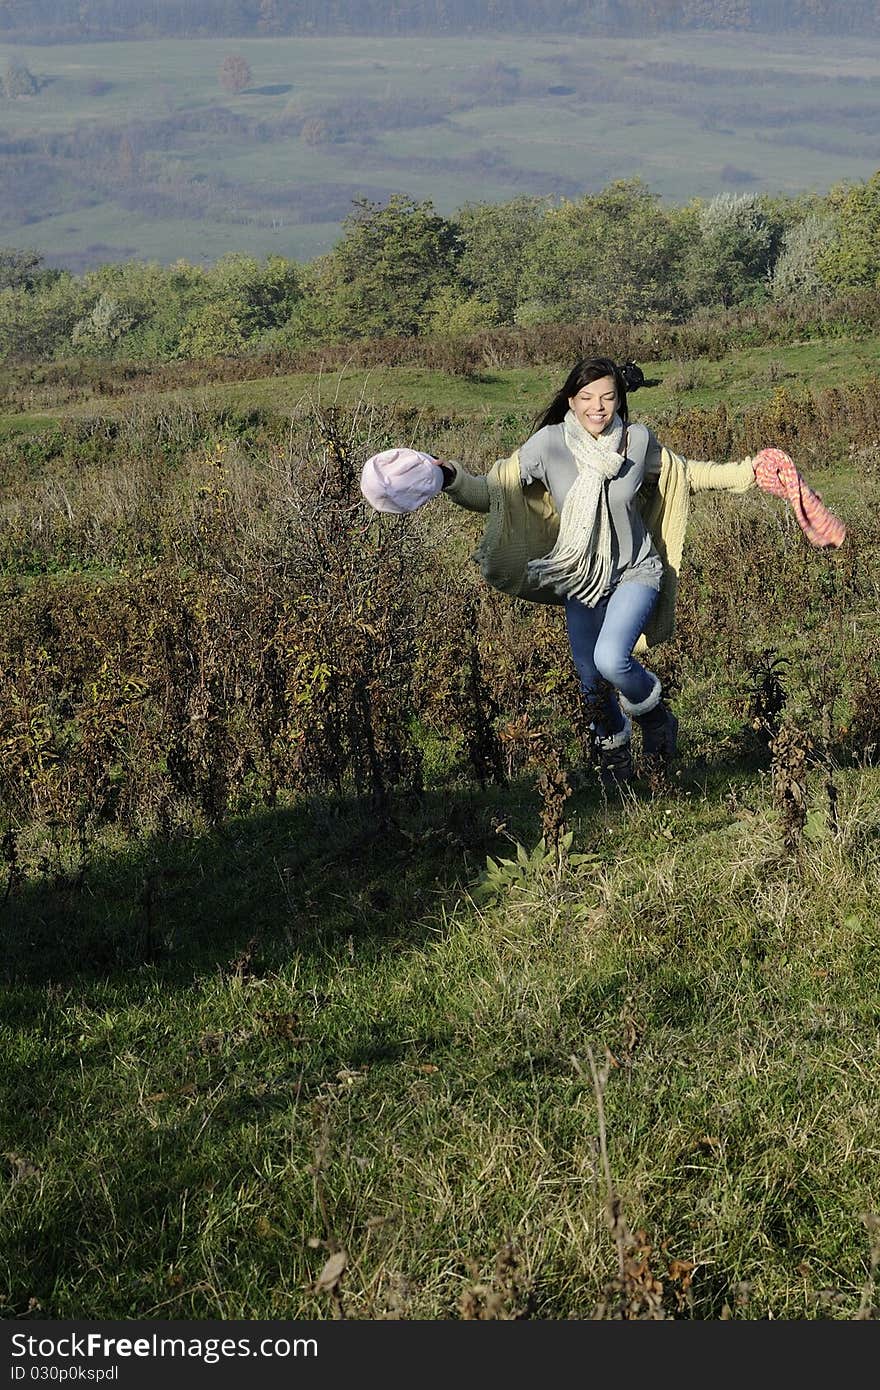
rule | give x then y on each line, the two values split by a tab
602	638
583	625
627	610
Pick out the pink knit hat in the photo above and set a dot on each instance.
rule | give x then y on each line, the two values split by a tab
400	480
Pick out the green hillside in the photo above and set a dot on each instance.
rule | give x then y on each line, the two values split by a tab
135	150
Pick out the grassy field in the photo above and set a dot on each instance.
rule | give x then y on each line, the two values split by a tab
288	1061
691	114
287	978
509	397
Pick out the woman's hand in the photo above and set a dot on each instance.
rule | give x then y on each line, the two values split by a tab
448	471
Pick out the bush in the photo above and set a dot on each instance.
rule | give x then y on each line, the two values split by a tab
19	81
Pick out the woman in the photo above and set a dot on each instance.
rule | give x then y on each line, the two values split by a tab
591	513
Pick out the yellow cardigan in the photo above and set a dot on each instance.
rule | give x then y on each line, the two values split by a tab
523	524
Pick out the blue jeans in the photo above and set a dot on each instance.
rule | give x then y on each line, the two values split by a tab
602	639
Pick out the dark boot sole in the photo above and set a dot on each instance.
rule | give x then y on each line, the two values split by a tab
662	747
615	771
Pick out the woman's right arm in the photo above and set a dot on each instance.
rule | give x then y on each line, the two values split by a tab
468	490
472	491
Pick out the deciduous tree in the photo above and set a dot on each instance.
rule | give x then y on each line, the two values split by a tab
796	273
613	254
495	238
19	81
852	258
243	300
735	239
235	73
392	260
17	268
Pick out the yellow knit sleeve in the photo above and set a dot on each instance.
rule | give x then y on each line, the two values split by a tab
720	477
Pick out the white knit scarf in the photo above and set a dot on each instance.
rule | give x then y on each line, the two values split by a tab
579	565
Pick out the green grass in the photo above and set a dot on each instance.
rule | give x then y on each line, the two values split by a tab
27	424
390	1067
741	379
125	236
679	134
229	1052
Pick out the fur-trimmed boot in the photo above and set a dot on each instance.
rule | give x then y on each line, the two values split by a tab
615	756
658	724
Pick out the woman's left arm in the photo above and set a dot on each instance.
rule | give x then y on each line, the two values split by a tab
704	475
738	476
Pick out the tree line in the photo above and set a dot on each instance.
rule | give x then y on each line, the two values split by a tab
70	20
401	269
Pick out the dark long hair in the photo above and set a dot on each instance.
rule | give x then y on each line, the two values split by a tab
629	376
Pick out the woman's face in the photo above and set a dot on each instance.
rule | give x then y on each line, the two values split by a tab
595	404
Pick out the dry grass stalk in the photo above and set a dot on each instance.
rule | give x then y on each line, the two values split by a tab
635	1293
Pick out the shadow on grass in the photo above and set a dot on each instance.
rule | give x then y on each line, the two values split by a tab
253	893
132	1126
92	960
319	878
